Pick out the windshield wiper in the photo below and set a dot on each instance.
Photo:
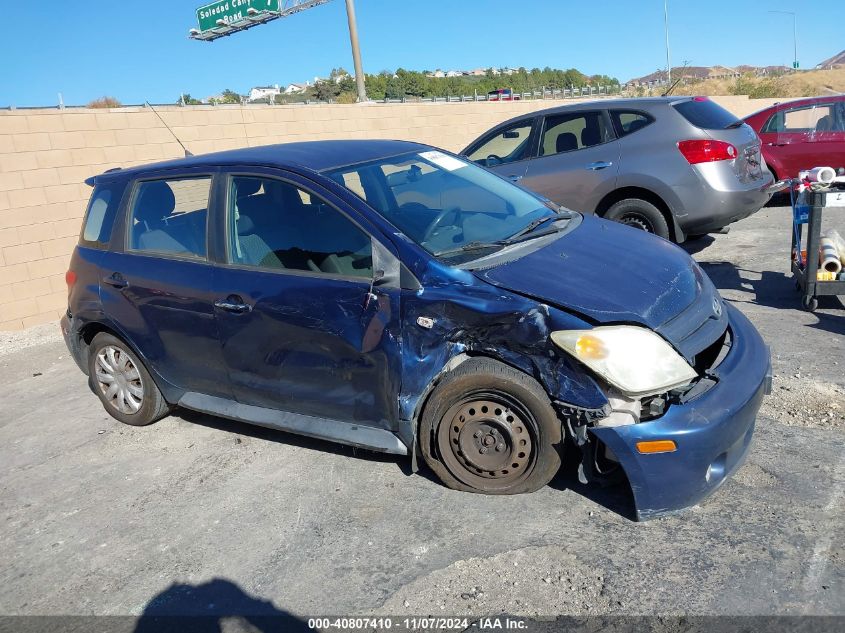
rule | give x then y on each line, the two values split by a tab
531	226
470	246
735	124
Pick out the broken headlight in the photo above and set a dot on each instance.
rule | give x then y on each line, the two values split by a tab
633	359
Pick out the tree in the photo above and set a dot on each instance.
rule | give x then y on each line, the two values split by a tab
337	73
187	99
325	90
230	96
346	83
394	89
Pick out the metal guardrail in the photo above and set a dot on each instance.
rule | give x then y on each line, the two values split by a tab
543	94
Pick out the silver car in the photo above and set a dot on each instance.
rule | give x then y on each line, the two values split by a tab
674	166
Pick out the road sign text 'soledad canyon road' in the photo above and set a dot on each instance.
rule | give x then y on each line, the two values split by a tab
226	11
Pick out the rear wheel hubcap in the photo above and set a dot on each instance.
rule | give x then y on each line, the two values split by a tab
119	380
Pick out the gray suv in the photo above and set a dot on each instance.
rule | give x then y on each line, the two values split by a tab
673	166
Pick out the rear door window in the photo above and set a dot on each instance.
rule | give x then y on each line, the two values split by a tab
99	218
169	217
573	131
706	114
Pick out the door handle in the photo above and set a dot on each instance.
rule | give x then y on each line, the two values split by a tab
776	144
599	165
116	280
514	178
233	303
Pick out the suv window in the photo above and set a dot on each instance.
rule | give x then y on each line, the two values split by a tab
815	118
169	216
505	146
627	122
706	114
99	218
571	131
277	225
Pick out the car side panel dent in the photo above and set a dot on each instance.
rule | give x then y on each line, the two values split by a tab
443	326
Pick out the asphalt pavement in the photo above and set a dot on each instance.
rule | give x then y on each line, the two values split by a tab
201	514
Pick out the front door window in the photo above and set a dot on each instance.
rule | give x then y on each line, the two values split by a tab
506	146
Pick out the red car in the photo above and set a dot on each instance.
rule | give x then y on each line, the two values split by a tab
802	134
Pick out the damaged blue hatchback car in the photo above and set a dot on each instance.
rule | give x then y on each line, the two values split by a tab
392	296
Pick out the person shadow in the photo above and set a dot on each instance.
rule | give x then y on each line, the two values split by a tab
217	606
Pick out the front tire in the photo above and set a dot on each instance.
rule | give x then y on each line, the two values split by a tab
639	214
122	383
488	428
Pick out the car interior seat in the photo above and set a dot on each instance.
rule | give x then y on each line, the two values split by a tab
151	232
566	142
824	124
636	124
591	134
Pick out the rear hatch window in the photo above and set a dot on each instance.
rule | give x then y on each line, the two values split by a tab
707	115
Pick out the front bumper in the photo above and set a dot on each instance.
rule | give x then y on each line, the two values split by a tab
712	432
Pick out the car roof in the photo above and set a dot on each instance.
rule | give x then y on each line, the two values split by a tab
637	103
805	101
311	155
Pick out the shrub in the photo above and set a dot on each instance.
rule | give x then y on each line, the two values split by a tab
105	102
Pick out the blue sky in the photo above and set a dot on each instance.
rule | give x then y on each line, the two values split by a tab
138	50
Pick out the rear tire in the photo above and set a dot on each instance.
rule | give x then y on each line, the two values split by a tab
122	383
639	214
488	428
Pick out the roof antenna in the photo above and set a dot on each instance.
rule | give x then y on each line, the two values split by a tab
677	81
150	106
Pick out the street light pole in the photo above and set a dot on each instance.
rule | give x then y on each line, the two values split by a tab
666	26
356	50
794	36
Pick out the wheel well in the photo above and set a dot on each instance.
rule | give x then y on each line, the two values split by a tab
643	194
87	334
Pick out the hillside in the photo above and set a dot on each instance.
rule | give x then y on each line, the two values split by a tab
836	60
801	84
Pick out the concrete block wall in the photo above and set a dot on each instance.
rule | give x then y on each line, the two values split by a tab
45	155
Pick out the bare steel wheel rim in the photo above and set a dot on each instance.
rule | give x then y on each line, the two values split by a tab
637	221
119	380
487	442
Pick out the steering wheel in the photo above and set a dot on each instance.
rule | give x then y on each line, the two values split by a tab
493	160
436	222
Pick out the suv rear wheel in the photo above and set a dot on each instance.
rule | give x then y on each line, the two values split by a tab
491	429
639	214
122	383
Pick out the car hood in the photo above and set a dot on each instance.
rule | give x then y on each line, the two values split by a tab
610	273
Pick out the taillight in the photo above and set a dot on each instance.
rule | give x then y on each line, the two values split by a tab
70	278
706	151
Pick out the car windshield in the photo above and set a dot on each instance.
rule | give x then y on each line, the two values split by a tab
452	208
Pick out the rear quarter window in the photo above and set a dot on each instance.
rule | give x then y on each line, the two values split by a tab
629	121
99	218
705	114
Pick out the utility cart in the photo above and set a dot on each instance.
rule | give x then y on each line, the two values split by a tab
807	210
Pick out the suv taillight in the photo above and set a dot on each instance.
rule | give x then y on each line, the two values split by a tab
706	151
70	279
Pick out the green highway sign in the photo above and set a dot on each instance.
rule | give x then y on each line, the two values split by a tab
225	12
